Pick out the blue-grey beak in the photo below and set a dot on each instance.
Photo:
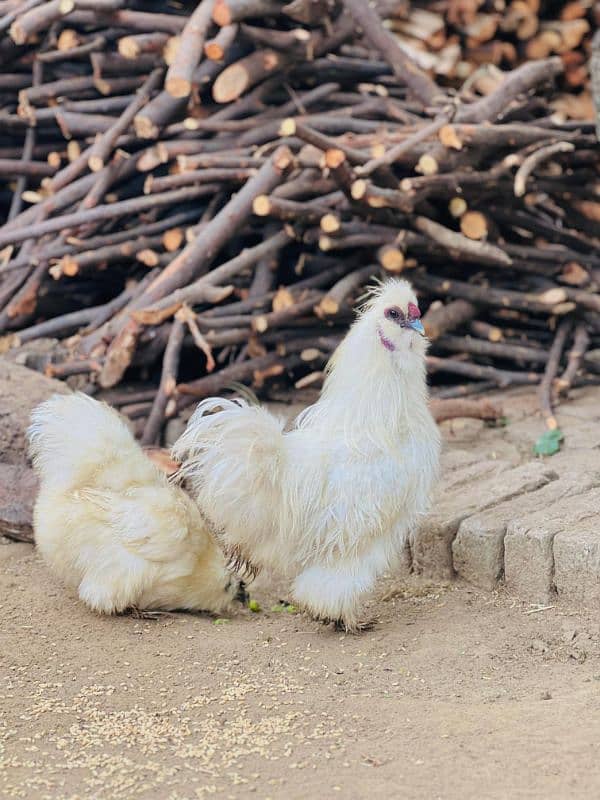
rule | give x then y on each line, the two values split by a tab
417	326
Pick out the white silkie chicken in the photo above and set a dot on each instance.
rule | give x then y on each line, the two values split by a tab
330	502
111	525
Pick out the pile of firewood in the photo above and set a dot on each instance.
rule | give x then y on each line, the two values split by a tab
198	195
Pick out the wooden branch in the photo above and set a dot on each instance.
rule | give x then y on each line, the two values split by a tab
156	114
104	144
595	77
196	257
534	160
419	83
442	318
262	322
168	385
484	295
521	80
581	342
547	382
331	303
37	19
201	290
443	410
100	214
237	78
226	12
178	81
480	347
502	378
486	252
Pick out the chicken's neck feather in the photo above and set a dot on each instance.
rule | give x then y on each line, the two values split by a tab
370	396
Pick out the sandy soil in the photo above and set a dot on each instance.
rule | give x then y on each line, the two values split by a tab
455	694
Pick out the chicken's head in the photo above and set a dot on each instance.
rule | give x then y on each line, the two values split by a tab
397	320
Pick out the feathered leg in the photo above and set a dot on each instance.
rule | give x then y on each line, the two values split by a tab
334	592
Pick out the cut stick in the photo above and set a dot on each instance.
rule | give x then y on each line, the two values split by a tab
178	81
99	214
419	83
216	49
473	225
196	292
226	12
521	80
26	157
100	151
547	382
310	212
237	78
198	255
274	319
168	384
391	258
464	390
502	378
138	44
157	114
534	160
341	291
581	342
504	350
441	318
486	296
455	241
443	410
37	19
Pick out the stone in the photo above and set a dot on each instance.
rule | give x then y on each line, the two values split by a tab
21	390
484	552
18	489
454	499
478	549
465	492
528	543
576	549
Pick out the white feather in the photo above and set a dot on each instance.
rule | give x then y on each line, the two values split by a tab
331	501
109	523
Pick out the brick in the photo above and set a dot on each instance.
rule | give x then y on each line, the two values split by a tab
494	544
576	550
431	543
528	544
466	492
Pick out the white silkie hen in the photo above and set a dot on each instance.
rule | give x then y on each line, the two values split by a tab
330	502
109	522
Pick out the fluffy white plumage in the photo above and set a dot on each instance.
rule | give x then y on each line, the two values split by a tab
110	524
331	501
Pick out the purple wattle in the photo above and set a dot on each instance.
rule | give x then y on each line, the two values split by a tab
385	341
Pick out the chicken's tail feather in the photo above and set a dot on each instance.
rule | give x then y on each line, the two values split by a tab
232	456
73	437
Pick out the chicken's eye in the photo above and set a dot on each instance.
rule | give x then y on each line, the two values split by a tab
394	314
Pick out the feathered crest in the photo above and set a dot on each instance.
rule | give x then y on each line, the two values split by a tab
375	290
372	291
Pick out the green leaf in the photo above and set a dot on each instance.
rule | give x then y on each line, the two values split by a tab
221	621
254	606
549	443
283	606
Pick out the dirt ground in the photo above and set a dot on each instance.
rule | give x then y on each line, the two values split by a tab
455	694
